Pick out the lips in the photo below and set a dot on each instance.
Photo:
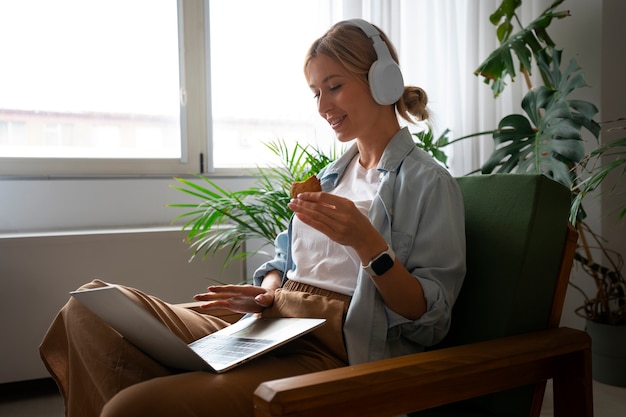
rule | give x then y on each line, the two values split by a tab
335	122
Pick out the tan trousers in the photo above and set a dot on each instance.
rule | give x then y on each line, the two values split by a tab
100	374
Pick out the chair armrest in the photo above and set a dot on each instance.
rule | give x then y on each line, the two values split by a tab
426	380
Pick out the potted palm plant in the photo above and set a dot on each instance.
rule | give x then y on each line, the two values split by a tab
223	220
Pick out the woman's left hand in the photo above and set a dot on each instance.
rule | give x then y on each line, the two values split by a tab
338	218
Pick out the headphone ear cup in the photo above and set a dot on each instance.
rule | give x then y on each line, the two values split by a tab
384	77
386	82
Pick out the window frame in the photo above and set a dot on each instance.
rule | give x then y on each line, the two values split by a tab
195	117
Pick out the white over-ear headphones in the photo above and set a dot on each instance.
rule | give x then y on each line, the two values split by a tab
385	77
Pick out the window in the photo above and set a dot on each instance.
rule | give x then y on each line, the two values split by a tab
97	88
90	87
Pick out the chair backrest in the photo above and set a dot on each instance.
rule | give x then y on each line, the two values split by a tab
517	229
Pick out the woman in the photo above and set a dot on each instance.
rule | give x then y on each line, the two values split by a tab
380	254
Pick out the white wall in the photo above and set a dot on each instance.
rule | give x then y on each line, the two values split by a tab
38	273
613	105
44	205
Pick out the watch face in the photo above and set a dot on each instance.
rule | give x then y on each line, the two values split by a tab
382	264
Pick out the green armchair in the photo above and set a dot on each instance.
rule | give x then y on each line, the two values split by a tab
504	343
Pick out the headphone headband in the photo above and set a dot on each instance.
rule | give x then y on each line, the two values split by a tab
365	26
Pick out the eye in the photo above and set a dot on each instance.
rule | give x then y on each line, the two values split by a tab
331	88
334	87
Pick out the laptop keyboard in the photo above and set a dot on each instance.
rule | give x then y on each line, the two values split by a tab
227	349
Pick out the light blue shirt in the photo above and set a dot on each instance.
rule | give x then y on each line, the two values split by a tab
418	209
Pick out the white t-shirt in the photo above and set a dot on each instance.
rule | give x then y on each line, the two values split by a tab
322	262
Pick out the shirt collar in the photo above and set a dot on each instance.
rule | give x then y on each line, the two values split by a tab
400	145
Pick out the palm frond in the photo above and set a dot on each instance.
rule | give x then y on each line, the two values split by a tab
615	155
223	219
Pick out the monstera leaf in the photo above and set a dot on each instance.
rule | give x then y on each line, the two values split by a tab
554	145
506	11
529	41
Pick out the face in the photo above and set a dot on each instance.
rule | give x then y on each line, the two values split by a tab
342	100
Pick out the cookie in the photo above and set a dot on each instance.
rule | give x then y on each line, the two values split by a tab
310	184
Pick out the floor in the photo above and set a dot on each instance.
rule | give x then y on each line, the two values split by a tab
41	399
608	401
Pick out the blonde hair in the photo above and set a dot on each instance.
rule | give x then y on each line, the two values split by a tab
353	50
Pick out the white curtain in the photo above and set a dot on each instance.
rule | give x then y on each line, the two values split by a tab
440	44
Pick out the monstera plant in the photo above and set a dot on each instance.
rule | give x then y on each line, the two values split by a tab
548	139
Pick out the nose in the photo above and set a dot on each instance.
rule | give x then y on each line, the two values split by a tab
324	103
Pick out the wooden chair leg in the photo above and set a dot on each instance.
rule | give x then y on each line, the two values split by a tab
540	390
573	389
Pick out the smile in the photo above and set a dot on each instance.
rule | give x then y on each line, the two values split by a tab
336	121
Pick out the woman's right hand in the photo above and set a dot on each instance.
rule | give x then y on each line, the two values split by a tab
237	298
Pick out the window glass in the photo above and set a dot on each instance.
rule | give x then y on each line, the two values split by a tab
259	93
89	79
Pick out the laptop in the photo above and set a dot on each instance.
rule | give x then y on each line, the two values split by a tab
218	352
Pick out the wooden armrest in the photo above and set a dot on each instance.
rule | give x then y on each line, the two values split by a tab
426	380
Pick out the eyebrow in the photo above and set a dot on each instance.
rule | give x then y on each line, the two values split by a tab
326	79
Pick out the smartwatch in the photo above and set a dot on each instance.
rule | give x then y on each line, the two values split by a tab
381	263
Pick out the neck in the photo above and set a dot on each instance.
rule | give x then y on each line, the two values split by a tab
370	151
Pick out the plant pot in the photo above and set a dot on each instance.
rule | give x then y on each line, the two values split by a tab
608	353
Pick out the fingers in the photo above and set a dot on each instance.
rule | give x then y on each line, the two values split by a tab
322	199
215	305
264	300
211	296
238	298
236	288
327	213
222	292
318	207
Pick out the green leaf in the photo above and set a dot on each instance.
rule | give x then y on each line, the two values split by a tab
512	139
505	11
426	142
614	154
525	44
222	219
504	31
554	145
